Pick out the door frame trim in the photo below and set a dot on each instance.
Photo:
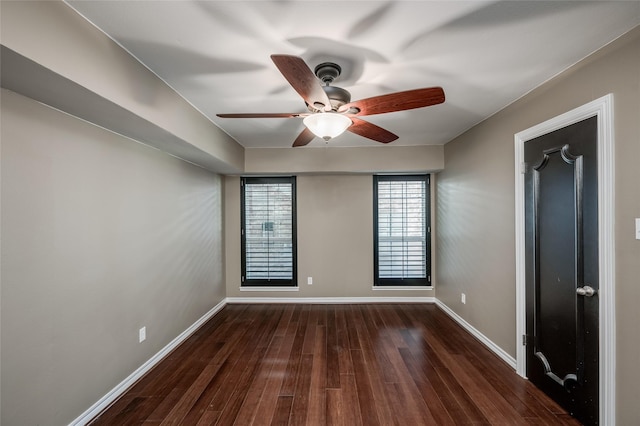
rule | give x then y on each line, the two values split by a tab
601	108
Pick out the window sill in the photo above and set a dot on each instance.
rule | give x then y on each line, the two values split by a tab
395	287
265	288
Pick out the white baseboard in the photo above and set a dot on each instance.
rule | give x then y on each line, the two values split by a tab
484	339
401	288
122	387
331	300
268	289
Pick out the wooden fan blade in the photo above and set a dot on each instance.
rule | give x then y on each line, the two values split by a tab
304	138
303	80
371	131
399	101
264	115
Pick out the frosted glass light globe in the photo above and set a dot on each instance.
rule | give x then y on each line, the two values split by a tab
327	125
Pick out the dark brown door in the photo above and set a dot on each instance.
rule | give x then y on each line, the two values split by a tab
561	225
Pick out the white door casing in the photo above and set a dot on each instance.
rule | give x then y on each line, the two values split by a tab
602	108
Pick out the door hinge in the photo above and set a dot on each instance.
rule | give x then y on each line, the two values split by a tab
242	278
429	277
523	168
524	340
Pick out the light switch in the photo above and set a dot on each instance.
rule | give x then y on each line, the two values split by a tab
638	228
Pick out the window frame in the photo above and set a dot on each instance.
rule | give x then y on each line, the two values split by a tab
244	282
399	281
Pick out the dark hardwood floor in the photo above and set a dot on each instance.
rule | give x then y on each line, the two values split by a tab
378	364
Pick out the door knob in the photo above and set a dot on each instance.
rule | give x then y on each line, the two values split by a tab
586	291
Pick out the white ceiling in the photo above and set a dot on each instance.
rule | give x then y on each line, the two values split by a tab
485	55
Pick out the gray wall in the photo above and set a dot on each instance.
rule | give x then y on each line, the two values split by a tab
374	158
100	236
475	225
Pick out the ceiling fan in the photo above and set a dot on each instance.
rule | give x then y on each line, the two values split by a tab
331	111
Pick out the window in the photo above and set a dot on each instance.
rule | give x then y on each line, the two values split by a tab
268	231
402	231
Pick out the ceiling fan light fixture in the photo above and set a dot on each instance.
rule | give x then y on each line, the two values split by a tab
327	125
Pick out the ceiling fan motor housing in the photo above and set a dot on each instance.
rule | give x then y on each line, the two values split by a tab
327	72
337	95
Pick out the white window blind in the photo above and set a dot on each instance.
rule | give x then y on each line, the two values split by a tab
402	230
268	231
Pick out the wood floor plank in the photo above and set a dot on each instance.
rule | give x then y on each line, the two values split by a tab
334	411
256	393
282	411
300	406
317	412
332	350
134	413
350	400
342	334
285	319
228	401
355	323
441	413
372	335
208	418
376	368
270	396
164	407
191	395
407	411
410	397
366	400
310	334
293	363
202	405
284	364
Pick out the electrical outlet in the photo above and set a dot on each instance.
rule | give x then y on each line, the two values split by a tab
463	298
142	334
310	280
